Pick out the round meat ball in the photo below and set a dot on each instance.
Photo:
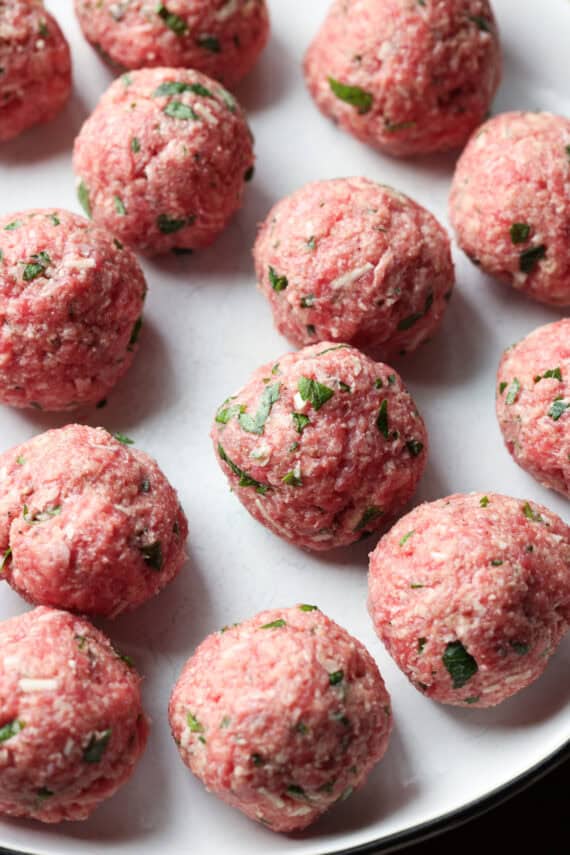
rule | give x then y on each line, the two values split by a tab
163	160
72	725
533	404
35	63
471	595
281	716
404	76
510	203
353	261
221	39
71	300
87	523
323	446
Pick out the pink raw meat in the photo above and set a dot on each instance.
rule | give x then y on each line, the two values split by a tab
281	716
471	595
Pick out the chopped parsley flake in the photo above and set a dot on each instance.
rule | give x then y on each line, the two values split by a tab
353	95
382	420
378	383
225	414
257	759
20	460
296	792
530	514
459	663
15	224
135	145
5	558
551	374
481	22
407	536
41	516
194	724
496	562
55	219
278	283
83	196
336	347
256	424
152	554
558	408
96	746
168	225
7	731
336	677
393	127
210	43
519	648
292	480
174	22
391	379
484	501
43	30
416	586
311	243
135	333
519	232
421	644
371	513
175	87
44	793
300	421
245	480
178	110
37	267
275	624
513	392
414	447
529	259
502	386
473	699
407	323
314	392
125	440
301	727
308	301
306	607
119	206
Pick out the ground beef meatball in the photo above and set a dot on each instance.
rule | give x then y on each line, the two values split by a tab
533	404
71	300
221	38
163	160
408	77
510	203
35	67
87	523
471	595
72	726
281	716
353	261
322	446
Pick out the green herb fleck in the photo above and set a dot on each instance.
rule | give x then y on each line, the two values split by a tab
414	447
407	536
119	206
245	480
378	383
459	663
43	30
292	480
558	408
484	501
178	110
41	516
15	224
371	513
37	267
473	700
20	460
96	746
300	421
519	232
311	243
552	374
336	347
5	558
168	225
382	420
391	379
301	727
306	607
481	22
278	283
125	440
353	95
118	243
308	301
223	416
7	731
257	760
135	145
394	127
502	386
496	562
275	624
210	43
175	87
225	722
314	392
256	424
336	677
55	219
529	259
415	586
534	516
44	793
135	333
513	392
194	724
152	554
421	644
83	196
174	22
296	792
520	648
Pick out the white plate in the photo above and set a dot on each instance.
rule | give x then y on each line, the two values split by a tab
206	329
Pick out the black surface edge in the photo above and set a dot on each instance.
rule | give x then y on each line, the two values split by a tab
449	821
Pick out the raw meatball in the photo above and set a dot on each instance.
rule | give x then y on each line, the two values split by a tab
408	77
533	404
221	38
72	726
163	159
71	300
510	203
281	716
471	595
354	261
87	523
323	446
35	67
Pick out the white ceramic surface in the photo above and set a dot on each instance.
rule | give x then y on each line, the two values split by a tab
206	329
